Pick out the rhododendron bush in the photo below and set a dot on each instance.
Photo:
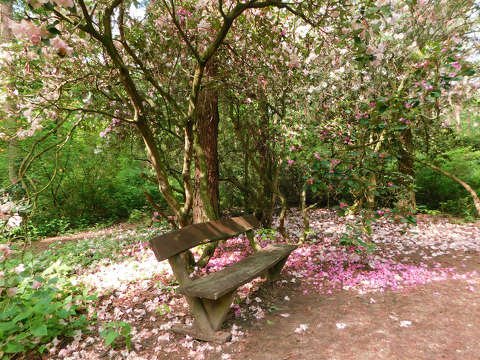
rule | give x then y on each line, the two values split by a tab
362	84
227	107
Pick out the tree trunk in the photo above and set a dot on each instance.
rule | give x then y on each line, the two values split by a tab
206	201
12	146
207	134
406	167
266	161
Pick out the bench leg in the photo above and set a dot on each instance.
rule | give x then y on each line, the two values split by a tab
217	310
202	328
274	272
218	337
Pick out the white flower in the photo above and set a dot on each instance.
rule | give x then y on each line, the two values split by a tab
341	326
165	337
203	25
7	207
14	221
19	269
302	328
405	323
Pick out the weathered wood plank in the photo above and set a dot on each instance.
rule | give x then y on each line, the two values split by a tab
173	243
217	310
215	285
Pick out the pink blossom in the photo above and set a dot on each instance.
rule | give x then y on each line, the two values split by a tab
456	65
26	29
343	205
61	46
36	284
65	3
290	161
12	291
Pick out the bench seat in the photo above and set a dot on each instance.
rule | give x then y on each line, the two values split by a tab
217	284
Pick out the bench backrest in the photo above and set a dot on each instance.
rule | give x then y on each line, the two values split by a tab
178	241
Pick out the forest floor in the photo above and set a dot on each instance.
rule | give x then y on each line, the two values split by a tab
416	297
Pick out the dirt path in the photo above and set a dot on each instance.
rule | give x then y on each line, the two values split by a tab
437	321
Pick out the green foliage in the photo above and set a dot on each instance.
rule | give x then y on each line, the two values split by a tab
267	234
48	226
117	330
438	192
136	216
38	301
37	304
163	309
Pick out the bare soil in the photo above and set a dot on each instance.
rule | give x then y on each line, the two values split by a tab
444	316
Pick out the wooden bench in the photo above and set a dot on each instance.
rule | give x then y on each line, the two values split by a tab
210	297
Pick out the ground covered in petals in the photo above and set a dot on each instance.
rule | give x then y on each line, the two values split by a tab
417	296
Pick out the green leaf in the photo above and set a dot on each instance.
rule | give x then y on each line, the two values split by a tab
62	313
23	315
39	330
110	337
7	326
468	72
13	347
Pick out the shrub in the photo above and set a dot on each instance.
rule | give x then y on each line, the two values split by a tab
36	305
